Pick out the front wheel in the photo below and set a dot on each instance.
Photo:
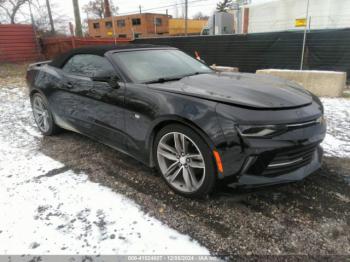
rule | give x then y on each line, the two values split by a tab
184	160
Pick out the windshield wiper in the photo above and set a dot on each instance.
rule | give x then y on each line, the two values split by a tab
168	79
163	80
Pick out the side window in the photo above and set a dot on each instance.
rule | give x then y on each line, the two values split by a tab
121	23
89	65
108	24
158	21
136	21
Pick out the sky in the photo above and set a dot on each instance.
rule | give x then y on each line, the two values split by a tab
157	6
63	9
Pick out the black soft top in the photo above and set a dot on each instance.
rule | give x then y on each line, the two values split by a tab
100	50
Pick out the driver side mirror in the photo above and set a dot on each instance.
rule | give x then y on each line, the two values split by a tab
111	80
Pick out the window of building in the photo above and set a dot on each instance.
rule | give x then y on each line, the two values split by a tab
136	21
109	24
158	21
122	36
89	65
137	35
96	25
121	23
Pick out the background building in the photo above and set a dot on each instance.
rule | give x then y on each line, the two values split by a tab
138	25
177	26
281	15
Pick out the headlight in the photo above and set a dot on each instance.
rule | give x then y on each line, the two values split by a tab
272	130
260	131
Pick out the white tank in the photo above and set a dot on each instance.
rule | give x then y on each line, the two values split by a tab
220	23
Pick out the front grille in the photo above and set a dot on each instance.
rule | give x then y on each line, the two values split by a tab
275	163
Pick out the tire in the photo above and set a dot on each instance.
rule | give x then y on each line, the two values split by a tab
192	174
44	119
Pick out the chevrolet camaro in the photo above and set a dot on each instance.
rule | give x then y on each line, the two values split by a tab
168	110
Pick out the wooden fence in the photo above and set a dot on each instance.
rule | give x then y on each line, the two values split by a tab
53	46
18	44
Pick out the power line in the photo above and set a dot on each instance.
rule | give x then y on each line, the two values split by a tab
162	7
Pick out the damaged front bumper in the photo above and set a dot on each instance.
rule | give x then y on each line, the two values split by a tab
296	175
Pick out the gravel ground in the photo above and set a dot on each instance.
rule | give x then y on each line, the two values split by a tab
309	217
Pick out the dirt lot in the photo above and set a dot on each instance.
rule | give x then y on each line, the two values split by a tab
309	217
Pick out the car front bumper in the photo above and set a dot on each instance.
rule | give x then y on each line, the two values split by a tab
248	180
288	157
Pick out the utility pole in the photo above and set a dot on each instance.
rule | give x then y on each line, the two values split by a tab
176	9
140	9
50	17
78	30
155	25
304	41
186	17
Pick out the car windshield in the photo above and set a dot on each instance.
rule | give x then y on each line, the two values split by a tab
147	66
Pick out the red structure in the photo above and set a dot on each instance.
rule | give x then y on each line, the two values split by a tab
18	44
53	46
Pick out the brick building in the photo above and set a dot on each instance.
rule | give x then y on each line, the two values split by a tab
139	25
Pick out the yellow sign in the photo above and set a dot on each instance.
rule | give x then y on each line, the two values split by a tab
301	22
110	33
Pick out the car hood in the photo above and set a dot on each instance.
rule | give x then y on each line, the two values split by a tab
249	90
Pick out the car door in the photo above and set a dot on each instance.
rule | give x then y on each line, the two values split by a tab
90	103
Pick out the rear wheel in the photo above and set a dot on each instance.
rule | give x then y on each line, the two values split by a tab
43	116
184	160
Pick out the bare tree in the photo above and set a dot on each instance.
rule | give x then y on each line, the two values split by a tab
200	16
11	8
42	19
224	6
96	9
227	5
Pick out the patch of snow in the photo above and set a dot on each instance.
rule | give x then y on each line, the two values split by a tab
337	113
46	208
335	147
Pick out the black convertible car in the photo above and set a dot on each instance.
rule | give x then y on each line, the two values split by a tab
171	111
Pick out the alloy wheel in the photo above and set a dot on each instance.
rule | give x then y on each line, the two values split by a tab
181	162
41	114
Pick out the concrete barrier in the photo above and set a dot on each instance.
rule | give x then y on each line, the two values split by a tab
224	68
321	83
